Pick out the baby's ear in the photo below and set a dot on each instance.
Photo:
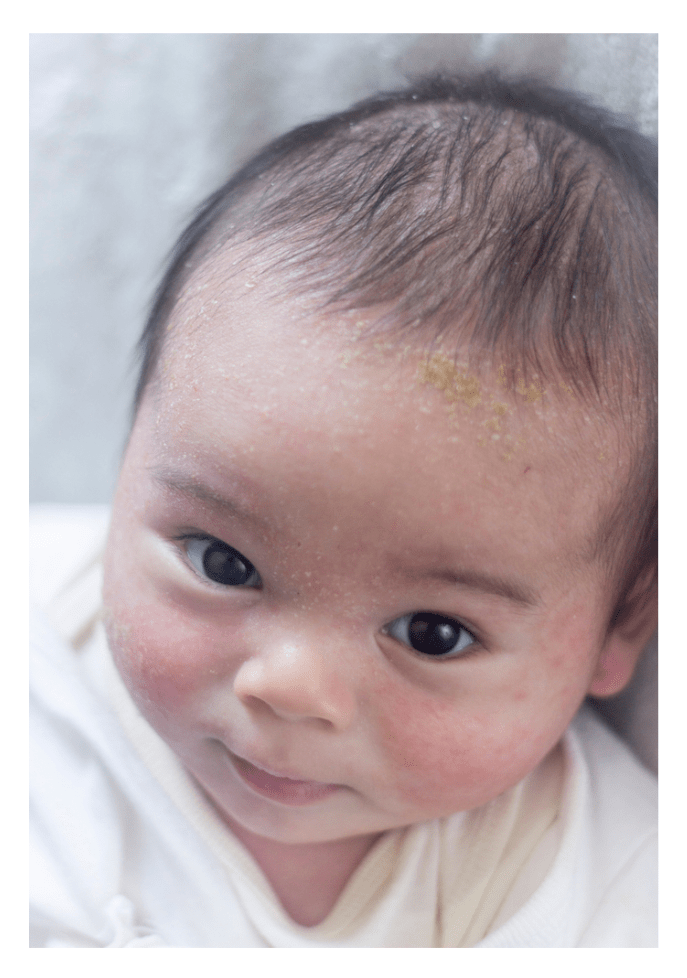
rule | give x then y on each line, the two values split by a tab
626	640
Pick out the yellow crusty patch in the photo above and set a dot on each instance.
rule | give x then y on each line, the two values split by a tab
499	410
441	372
531	392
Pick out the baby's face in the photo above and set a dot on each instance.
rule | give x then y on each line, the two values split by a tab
330	591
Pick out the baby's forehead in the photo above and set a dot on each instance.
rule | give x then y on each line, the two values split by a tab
234	325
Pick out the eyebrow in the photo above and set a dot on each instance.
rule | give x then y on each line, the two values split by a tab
189	487
513	591
472	580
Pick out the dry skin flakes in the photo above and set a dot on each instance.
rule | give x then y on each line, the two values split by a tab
441	372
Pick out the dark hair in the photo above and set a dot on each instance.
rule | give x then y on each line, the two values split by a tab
507	214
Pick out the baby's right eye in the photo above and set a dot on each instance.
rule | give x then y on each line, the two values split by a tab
220	563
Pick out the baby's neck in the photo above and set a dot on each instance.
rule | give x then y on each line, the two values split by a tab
307	878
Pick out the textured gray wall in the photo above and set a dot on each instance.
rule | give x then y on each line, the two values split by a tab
130	131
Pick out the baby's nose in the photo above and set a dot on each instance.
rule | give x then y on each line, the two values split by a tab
298	679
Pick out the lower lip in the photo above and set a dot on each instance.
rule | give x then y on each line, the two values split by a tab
285	790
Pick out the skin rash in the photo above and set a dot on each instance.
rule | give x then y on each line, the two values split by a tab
358	501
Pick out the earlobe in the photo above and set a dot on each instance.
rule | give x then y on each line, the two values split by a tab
623	647
615	667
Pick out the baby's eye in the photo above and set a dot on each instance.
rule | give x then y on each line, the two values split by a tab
221	563
430	634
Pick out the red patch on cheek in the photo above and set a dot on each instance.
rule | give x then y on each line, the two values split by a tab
448	757
164	662
431	750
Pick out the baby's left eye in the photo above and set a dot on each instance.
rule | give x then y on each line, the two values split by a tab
432	635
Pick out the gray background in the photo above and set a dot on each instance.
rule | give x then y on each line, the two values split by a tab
130	131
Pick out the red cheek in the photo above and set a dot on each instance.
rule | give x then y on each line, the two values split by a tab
165	661
451	756
431	747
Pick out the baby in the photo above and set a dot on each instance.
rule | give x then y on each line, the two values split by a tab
385	518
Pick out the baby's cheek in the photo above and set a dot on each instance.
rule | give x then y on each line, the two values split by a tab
431	749
164	660
450	757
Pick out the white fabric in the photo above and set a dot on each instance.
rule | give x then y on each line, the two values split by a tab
121	861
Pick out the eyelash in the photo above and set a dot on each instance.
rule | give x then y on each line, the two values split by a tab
401	629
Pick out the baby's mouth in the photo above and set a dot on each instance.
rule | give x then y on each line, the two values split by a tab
288	791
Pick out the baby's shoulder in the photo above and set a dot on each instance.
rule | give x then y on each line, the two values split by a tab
618	783
618	865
